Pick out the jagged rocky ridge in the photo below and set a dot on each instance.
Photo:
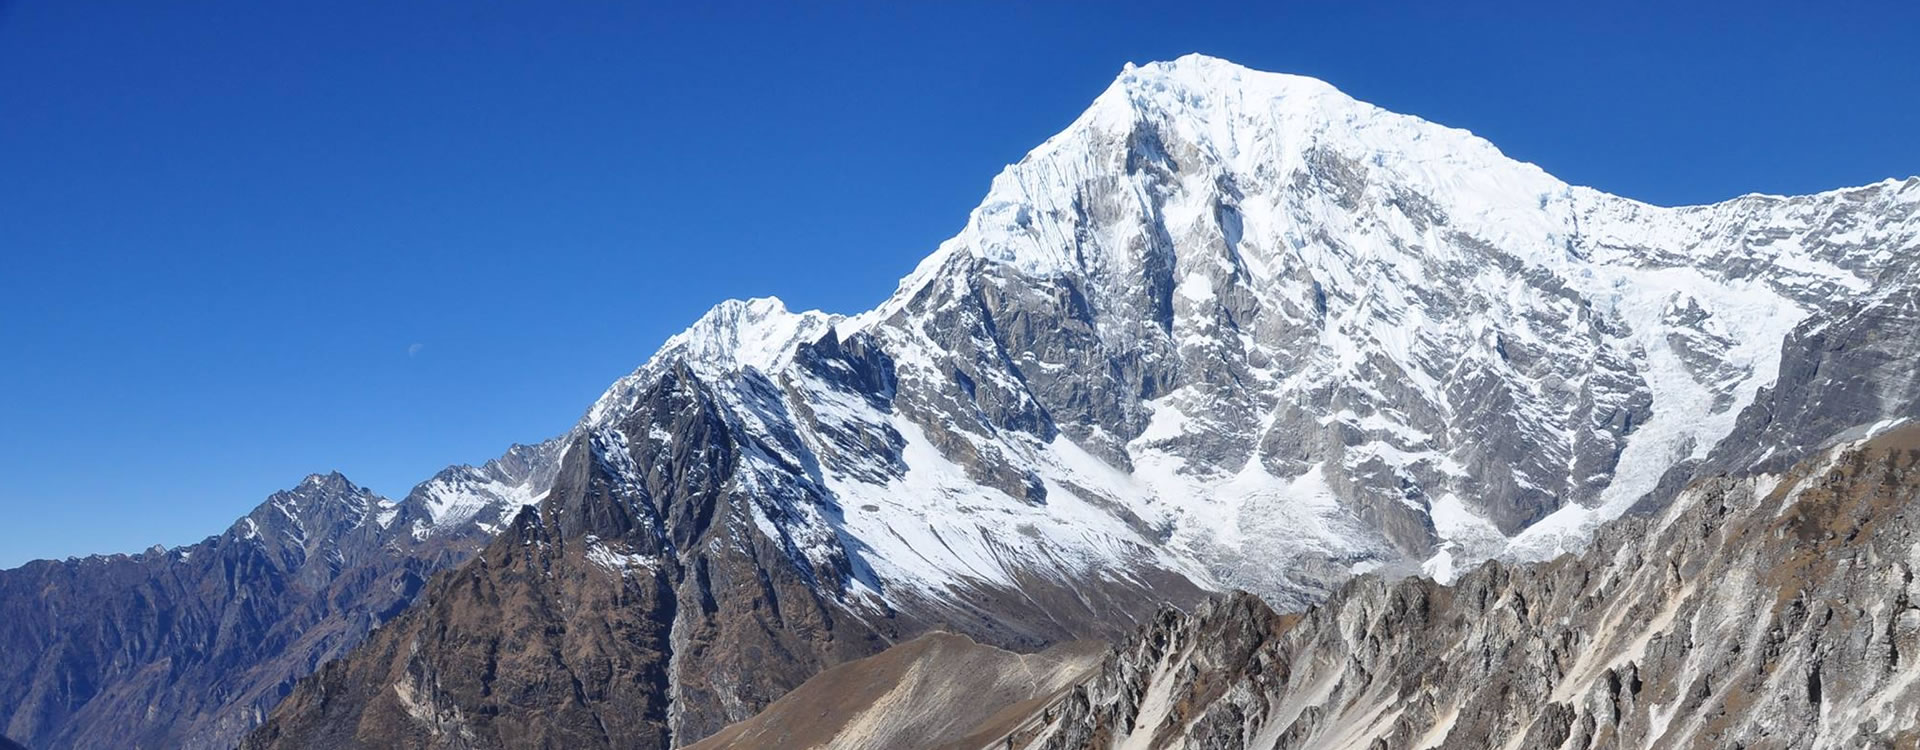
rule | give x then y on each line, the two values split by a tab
1773	610
189	647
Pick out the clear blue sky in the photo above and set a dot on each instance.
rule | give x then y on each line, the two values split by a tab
225	226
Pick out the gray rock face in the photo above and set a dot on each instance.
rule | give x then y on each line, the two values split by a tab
1767	611
1850	368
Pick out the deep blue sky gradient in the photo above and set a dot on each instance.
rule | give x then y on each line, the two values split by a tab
224	226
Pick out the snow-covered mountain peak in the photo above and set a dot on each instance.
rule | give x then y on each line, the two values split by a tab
306	516
329	486
1208	127
760	333
463	497
1241	325
1201	81
1197	75
1245	117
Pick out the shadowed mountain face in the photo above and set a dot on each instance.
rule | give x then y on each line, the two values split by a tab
94	646
1766	611
189	648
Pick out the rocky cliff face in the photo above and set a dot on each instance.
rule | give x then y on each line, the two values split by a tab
189	647
1765	611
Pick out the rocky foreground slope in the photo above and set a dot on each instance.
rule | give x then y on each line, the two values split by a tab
1771	611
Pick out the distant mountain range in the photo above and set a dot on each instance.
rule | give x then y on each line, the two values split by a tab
189	647
1230	330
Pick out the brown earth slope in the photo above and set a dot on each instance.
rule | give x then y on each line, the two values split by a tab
938	690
